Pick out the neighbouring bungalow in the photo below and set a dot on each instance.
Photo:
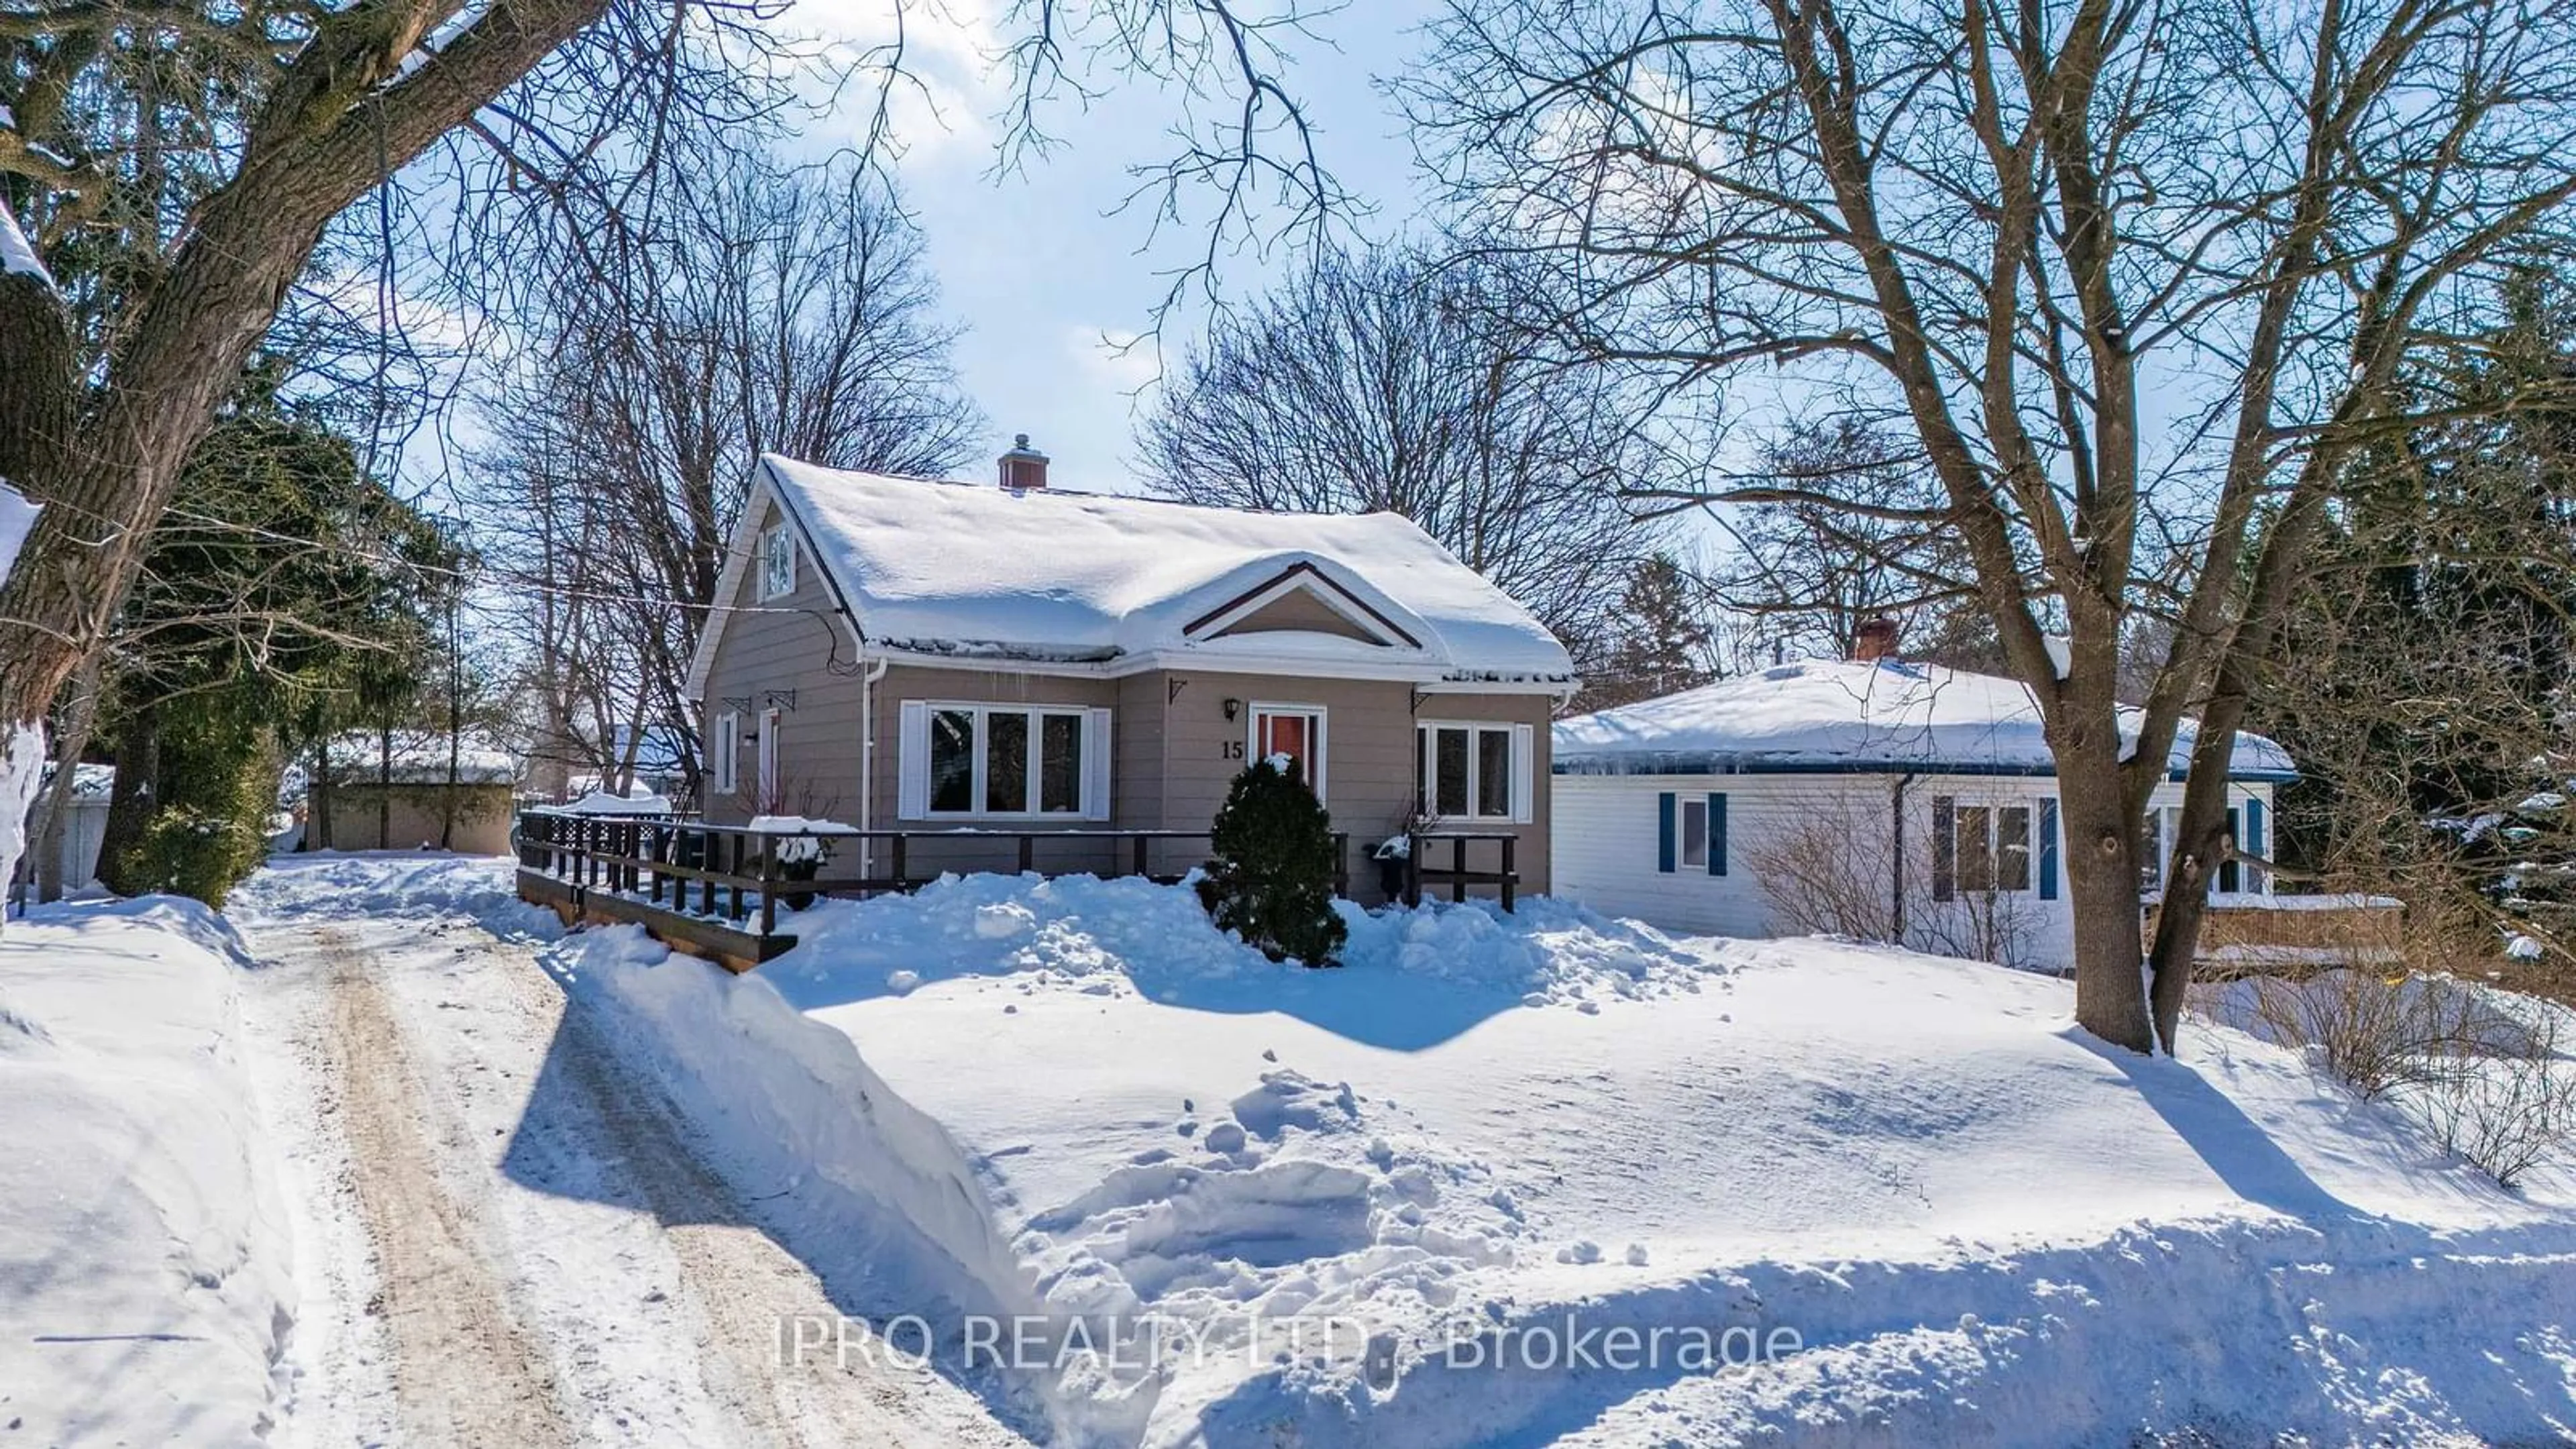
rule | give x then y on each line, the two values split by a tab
1872	797
972	663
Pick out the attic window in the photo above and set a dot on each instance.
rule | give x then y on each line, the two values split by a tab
777	563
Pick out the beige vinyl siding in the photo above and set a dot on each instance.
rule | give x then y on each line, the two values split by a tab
794	644
1297	610
1370	754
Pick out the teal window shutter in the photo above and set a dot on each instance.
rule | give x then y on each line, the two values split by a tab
1664	813
1716	834
2254	841
2048	850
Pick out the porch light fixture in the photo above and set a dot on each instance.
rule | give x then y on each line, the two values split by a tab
1233	707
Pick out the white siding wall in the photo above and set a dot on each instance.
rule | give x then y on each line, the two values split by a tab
1607	846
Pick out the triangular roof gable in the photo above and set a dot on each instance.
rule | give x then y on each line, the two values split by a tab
740	550
1302	579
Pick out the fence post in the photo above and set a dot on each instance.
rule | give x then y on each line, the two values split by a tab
1511	874
901	876
1458	870
768	885
1144	860
1342	864
1413	848
1028	854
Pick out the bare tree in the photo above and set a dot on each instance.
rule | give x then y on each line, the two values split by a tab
1383	381
791	313
2138	277
295	113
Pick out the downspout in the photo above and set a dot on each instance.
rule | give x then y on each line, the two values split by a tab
1896	805
868	675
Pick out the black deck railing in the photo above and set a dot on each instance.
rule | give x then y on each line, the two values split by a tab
689	870
1422	868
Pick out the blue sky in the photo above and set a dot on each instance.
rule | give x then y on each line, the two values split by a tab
1041	268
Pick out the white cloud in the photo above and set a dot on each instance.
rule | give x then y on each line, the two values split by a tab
1126	363
951	82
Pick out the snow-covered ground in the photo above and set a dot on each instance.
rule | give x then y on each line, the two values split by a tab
1491	1145
1517	1180
145	1281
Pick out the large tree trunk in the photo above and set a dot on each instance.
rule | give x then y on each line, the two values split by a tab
2099	838
336	123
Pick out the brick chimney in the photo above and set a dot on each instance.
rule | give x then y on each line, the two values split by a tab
1874	640
1023	466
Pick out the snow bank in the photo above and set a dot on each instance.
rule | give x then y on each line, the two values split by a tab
145	1286
1073	1099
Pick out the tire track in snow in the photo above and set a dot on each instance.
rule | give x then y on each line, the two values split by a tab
554	1265
465	1369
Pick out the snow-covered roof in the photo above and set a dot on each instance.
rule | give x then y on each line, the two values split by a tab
1827	715
976	570
420	758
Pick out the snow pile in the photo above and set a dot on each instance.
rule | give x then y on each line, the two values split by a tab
1847	712
427	885
1906	1181
145	1287
806	847
1131	937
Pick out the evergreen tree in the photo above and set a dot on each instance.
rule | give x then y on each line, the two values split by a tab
1659	638
287	589
1270	880
2427	695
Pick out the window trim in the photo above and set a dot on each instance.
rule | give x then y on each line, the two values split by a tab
1519	770
771	764
725	756
1091	775
1672	816
1683	856
1950	867
770	538
1321	730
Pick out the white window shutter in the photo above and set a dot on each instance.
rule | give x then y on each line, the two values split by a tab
912	761
1095	765
1524	774
725	741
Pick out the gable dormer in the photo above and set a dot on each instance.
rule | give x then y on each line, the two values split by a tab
1300	599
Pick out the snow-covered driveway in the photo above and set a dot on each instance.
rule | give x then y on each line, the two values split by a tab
500	1236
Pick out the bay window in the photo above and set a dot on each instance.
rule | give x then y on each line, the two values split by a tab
994	760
